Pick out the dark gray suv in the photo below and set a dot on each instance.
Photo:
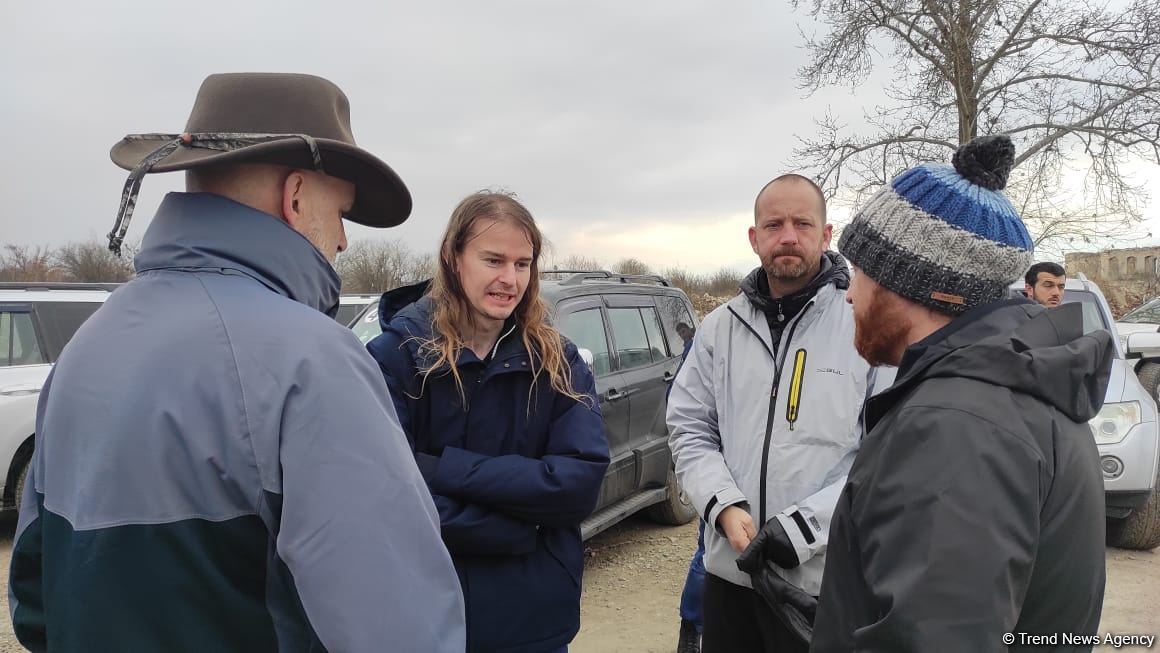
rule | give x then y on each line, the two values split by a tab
628	326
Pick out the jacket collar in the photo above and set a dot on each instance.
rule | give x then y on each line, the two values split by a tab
1018	345
202	231
916	352
754	318
831	271
414	323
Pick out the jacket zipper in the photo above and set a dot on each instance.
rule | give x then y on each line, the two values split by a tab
495	349
773	407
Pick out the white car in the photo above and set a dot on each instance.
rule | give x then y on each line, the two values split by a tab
36	321
351	306
1145	320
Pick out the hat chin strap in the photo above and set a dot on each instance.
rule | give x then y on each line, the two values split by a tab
220	141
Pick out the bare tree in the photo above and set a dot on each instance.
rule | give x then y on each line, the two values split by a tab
725	282
374	266
421	266
722	283
93	262
687	281
632	266
1076	83
575	262
25	264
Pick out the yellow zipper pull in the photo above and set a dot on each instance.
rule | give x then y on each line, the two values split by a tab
795	388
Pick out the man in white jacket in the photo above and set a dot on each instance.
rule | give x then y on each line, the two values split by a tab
764	416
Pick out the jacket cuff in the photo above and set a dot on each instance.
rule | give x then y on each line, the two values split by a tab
453	467
728	497
794	531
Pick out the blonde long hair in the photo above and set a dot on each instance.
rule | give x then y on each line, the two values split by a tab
454	316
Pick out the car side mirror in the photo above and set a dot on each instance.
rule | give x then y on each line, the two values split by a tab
586	355
1143	345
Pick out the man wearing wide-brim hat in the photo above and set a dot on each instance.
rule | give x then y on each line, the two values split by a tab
219	466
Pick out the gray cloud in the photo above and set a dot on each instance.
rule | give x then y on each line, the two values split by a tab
625	113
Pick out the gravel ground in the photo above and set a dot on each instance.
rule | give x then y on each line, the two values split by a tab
635	571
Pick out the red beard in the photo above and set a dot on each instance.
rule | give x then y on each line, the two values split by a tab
881	328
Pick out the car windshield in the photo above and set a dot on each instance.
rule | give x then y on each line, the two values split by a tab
367	326
1147	314
1093	318
348	312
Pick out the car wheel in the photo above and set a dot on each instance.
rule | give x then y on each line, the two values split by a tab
677	508
1141	529
18	494
1149	376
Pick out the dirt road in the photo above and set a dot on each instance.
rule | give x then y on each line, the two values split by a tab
635	572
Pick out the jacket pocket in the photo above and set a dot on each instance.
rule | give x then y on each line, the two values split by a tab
567	550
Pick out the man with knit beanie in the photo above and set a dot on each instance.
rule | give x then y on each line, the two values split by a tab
973	517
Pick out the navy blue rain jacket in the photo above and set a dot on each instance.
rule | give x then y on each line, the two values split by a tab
512	482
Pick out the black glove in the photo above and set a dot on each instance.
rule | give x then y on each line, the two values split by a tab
771	544
792	606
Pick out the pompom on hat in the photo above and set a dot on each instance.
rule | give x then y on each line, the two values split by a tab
945	236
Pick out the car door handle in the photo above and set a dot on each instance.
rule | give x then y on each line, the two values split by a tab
19	390
616	395
668	377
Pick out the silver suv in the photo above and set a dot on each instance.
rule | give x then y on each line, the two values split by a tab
36	321
1126	432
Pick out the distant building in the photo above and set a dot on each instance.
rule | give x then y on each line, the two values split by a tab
1115	264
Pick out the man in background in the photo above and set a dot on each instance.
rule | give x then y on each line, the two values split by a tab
1044	283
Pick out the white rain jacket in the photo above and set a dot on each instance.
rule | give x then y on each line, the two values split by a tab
776	431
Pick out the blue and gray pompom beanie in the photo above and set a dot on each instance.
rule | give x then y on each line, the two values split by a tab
945	236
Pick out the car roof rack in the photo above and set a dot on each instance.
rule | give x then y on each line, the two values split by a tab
54	285
577	277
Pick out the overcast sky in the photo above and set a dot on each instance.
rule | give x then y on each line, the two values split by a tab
639	128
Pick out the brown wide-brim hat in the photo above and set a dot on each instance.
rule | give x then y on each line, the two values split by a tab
241	117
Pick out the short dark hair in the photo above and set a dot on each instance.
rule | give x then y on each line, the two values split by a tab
1054	269
682	325
796	177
